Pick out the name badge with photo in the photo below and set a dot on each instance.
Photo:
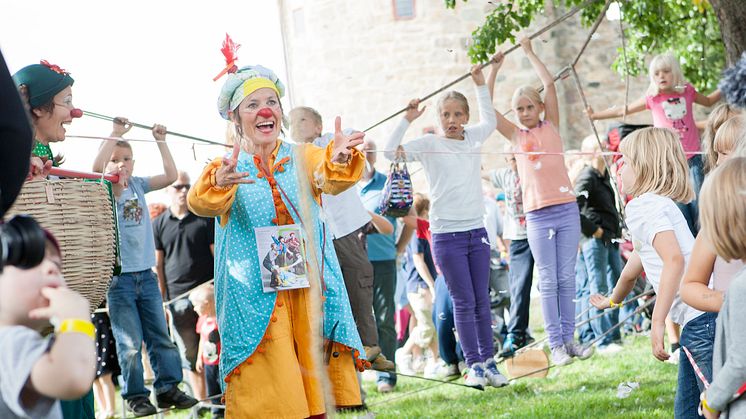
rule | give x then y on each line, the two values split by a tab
283	257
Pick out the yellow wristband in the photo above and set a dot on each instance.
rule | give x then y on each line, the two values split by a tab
707	407
612	304
77	326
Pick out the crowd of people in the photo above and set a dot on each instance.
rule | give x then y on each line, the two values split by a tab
422	293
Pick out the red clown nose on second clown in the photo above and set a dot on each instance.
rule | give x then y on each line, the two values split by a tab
265	113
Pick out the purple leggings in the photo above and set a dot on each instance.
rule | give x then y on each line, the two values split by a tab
464	259
554	234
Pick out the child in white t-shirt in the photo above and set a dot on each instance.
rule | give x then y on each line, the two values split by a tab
655	172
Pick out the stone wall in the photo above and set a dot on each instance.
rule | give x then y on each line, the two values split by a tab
355	59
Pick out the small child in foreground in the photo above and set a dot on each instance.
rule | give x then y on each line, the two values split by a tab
38	372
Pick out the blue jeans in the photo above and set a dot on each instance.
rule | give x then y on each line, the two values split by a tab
690	210
598	268
520	277
136	312
698	336
450	350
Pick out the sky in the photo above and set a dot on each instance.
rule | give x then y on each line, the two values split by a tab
149	61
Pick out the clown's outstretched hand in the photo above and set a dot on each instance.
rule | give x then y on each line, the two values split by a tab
343	144
226	175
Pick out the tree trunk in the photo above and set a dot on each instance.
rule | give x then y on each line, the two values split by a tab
732	17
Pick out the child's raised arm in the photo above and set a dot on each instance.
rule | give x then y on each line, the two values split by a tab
551	108
506	128
120	127
616	111
169	166
708	100
394	141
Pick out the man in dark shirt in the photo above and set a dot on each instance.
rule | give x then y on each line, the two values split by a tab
184	247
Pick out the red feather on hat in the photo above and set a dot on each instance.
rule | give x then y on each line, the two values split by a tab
55	67
229	52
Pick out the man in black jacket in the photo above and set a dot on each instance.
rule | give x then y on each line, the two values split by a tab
599	262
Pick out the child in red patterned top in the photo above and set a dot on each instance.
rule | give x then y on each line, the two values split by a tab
208	355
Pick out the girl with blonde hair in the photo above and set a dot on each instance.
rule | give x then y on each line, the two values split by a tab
670	98
718	116
724	198
706	264
552	215
655	173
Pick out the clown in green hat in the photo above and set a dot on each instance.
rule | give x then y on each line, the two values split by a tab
47	89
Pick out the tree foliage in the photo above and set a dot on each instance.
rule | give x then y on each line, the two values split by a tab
686	28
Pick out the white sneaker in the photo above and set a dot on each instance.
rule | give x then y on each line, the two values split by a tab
492	374
441	370
610	349
475	376
403	362
560	356
577	350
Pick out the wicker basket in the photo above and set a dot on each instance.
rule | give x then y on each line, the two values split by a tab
80	214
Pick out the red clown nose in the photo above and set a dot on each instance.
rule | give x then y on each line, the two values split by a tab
76	113
265	113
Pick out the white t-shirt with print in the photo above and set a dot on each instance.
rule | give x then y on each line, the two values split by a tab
648	215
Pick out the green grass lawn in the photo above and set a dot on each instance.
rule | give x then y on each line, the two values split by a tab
584	389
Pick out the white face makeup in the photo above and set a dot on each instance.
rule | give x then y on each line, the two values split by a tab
50	126
258	126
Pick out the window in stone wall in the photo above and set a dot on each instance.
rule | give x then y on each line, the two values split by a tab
403	9
299	22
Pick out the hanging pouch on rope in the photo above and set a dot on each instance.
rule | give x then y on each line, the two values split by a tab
397	193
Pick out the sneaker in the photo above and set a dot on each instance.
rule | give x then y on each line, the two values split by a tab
380	363
560	356
403	362
577	350
510	346
475	376
441	370
175	398
610	349
141	406
492	374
